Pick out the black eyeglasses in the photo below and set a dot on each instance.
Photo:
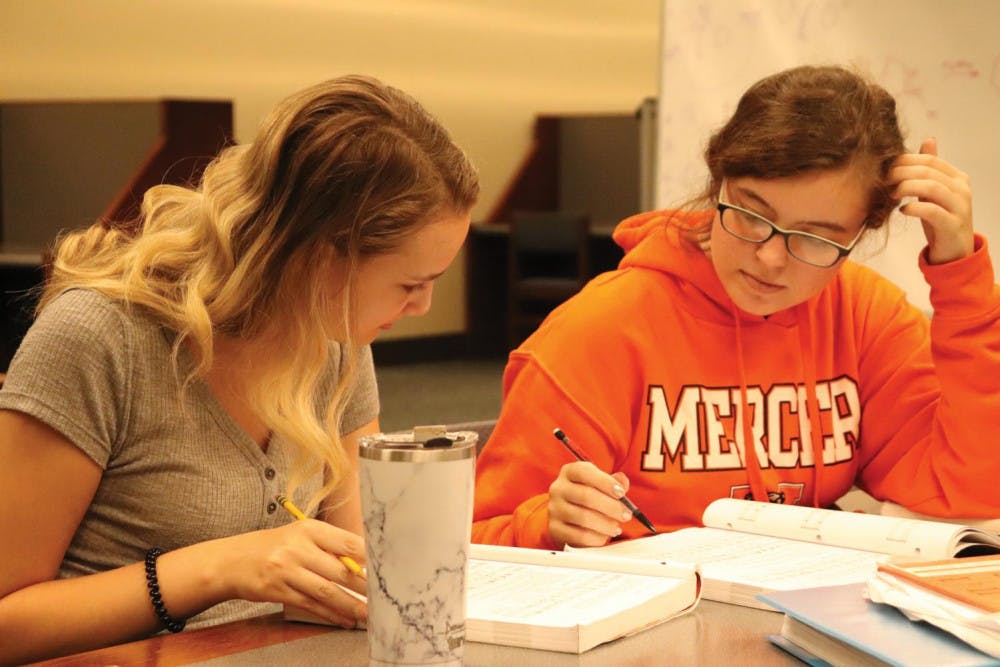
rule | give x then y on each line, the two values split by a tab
803	246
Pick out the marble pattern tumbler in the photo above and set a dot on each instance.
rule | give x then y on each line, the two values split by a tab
416	499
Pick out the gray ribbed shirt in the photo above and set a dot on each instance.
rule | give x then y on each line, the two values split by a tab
177	468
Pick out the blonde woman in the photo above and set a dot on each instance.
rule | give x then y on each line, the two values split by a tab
177	379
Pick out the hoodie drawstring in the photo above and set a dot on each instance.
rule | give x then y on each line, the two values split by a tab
754	475
812	403
756	478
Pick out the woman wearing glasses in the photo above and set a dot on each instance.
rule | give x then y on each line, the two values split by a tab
744	303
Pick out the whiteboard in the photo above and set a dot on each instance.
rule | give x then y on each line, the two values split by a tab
941	60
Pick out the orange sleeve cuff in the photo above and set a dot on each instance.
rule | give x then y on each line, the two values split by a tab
527	527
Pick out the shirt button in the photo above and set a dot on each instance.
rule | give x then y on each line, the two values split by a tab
271	507
269	473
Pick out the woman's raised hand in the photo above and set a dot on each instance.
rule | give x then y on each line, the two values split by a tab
943	201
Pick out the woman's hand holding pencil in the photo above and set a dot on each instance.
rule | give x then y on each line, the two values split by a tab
586	505
348	562
300	564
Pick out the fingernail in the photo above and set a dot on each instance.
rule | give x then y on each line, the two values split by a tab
619	490
618	531
626	515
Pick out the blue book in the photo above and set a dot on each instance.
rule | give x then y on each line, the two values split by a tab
836	624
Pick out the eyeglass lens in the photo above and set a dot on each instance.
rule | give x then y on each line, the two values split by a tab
806	248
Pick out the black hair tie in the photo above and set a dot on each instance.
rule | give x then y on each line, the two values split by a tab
168	621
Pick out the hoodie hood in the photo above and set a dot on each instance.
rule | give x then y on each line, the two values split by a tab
662	241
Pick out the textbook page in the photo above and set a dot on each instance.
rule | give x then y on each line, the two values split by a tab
568	602
750	547
735	566
868	532
570	609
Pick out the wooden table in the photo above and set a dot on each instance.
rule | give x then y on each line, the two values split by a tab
713	634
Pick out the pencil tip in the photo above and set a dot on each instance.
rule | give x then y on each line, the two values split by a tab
645	521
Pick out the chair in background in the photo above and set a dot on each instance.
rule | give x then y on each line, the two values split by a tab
547	262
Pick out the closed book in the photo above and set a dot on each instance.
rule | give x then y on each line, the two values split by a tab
837	624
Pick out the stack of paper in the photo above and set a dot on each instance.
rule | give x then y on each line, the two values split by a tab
960	595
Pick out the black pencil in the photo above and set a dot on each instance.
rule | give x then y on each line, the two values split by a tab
636	512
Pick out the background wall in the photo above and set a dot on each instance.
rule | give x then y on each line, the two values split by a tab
941	60
90	150
485	68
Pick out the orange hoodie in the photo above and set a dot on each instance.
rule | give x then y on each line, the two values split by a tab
649	367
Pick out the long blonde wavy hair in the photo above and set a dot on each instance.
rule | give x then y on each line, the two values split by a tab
349	165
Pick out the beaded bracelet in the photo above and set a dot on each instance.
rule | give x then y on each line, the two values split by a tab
169	622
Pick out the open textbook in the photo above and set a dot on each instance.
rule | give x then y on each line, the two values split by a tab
749	547
563	601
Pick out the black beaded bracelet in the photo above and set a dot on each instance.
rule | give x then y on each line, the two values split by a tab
169	622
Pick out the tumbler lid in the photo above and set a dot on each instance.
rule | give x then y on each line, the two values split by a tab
422	444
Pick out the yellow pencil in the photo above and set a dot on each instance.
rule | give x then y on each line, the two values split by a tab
349	562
